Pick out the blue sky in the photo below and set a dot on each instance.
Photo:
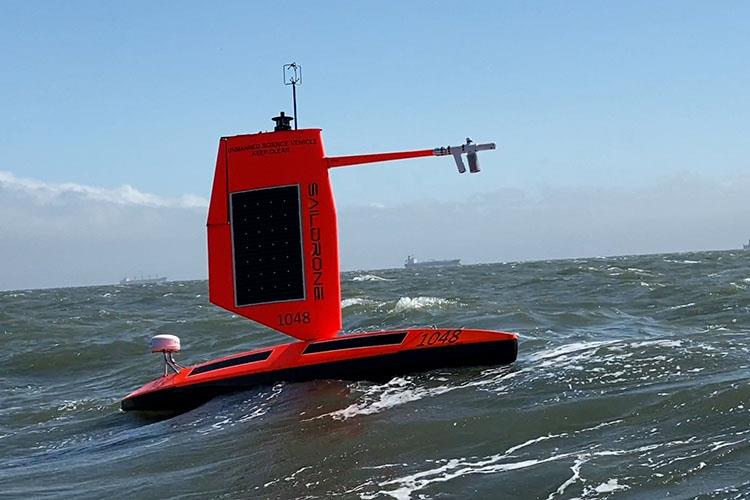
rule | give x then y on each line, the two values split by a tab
578	95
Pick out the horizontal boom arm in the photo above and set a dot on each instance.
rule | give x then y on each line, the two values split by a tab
469	149
345	161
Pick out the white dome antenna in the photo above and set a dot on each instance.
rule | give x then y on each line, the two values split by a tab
167	345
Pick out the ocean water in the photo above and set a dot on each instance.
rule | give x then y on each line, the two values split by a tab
632	381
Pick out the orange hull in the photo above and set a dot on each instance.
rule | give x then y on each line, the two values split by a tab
366	356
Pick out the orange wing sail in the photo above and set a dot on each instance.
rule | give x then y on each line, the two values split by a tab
272	242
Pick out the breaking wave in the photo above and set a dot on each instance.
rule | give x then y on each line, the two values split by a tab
409	303
370	277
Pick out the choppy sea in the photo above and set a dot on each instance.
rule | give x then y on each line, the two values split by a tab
632	381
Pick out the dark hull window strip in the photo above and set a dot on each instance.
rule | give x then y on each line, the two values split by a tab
250	358
353	343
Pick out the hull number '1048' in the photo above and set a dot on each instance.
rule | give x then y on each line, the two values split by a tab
294	318
439	337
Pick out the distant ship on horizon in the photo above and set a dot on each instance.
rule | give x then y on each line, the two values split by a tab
143	281
747	246
412	263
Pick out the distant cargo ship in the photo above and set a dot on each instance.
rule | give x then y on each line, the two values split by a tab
412	263
143	281
746	247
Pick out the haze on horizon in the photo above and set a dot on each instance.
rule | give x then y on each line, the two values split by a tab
130	233
621	129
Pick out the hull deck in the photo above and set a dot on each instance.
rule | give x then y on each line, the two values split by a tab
367	356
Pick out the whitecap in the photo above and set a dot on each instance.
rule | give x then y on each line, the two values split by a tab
409	303
354	301
445	470
610	486
369	277
401	390
681	306
638	271
659	343
396	392
573	347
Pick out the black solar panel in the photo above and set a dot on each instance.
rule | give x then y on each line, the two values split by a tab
267	244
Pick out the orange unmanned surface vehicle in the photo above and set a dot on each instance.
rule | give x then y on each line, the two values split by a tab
273	258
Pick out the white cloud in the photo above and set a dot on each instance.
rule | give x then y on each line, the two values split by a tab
49	193
70	234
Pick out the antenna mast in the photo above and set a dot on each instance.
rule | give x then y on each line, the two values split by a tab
293	77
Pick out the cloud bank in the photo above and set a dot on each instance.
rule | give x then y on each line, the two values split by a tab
69	234
677	214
